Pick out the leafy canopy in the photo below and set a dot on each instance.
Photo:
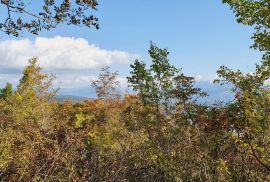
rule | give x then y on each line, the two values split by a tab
255	13
162	83
7	91
34	16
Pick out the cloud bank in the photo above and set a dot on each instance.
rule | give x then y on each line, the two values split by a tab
206	78
60	53
74	60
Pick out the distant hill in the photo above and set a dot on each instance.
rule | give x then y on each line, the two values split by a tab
62	98
216	93
85	92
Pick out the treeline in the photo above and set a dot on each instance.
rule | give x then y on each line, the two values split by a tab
161	133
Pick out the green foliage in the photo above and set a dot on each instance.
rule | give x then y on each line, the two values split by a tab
142	82
49	14
7	91
153	84
81	120
255	13
161	84
249	113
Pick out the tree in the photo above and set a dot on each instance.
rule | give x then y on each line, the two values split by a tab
28	120
249	113
184	90
107	84
31	100
7	91
22	15
162	83
142	82
35	82
257	14
153	85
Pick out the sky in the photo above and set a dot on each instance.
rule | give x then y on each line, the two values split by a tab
200	35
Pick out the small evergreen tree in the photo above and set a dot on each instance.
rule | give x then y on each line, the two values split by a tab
7	91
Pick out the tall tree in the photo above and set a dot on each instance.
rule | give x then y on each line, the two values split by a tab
249	113
33	93
153	85
162	83
35	81
28	120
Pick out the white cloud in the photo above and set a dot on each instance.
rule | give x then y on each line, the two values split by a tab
60	53
72	80
75	80
74	61
205	78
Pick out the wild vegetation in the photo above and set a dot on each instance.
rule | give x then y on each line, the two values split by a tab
159	133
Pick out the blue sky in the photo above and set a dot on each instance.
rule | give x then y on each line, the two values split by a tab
201	36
